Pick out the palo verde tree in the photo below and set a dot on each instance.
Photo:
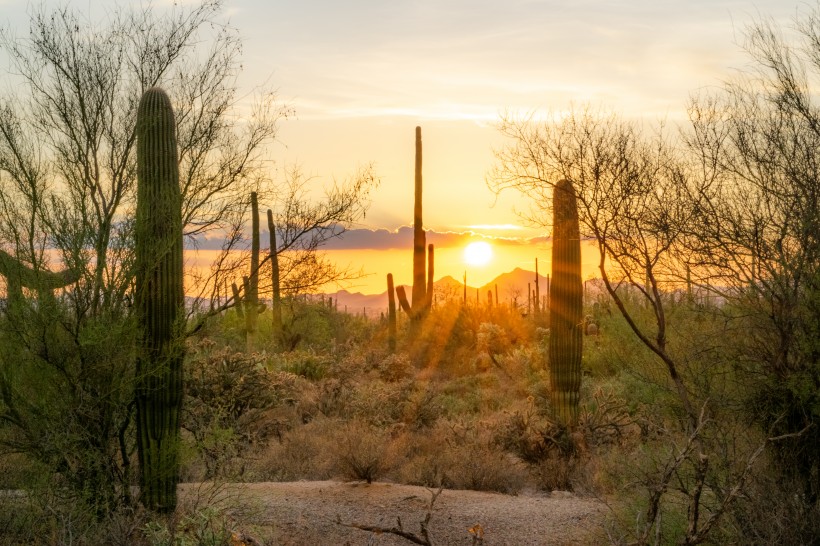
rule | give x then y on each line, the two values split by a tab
68	171
637	201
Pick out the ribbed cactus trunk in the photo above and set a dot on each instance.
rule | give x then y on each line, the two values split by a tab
391	314
419	239
252	293
566	306
158	301
276	300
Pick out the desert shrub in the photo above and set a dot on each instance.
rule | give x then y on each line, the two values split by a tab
309	364
492	339
207	526
305	452
469	395
379	403
228	396
361	451
395	367
456	455
553	452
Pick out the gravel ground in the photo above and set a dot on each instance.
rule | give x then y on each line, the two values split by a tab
306	513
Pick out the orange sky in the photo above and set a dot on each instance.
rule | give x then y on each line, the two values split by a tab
361	75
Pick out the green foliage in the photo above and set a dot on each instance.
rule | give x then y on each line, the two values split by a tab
65	395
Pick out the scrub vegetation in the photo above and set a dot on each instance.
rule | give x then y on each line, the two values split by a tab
681	385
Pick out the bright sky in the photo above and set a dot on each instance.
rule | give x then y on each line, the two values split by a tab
361	74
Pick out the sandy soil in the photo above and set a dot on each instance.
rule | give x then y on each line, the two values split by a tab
307	513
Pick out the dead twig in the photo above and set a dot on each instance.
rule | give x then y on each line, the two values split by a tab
423	538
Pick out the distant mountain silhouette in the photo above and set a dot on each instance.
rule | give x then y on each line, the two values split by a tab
511	286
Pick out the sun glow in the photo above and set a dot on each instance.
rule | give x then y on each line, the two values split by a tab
478	253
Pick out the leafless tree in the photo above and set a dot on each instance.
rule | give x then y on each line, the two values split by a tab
757	144
639	197
68	131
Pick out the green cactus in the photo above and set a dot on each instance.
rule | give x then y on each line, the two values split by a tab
159	301
391	314
566	306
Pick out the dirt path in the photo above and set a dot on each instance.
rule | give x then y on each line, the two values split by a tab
305	513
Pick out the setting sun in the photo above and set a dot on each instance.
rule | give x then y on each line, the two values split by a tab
478	253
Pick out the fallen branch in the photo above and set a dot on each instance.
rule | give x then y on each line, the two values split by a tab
398	530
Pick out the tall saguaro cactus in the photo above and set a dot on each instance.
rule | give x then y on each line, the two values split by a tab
252	288
391	314
566	306
422	293
537	291
276	301
419	238
159	301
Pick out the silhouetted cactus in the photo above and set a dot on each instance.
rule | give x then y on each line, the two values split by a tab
419	242
252	286
238	303
19	276
537	291
159	301
391	314
276	301
566	306
422	293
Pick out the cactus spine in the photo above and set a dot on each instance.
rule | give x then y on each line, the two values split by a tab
566	306
391	314
158	301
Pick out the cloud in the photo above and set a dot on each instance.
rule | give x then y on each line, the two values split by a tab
384	239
